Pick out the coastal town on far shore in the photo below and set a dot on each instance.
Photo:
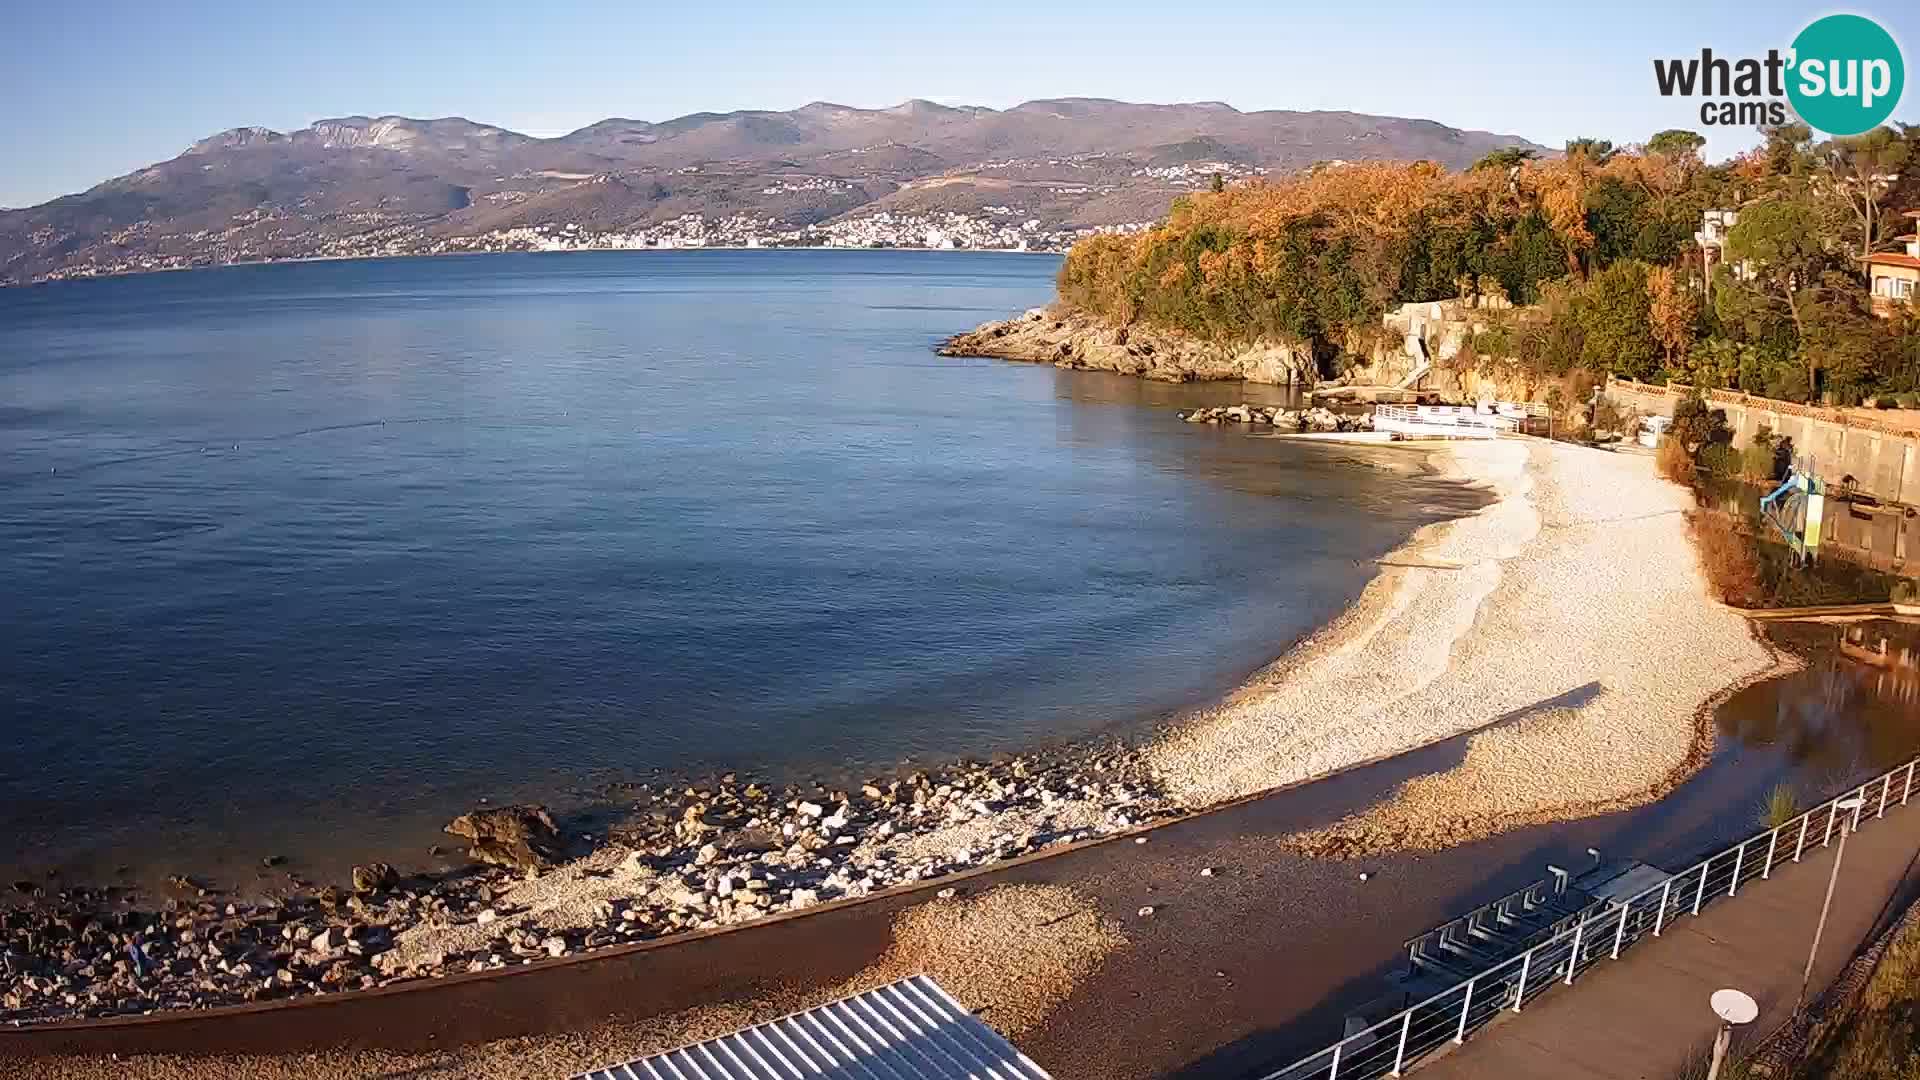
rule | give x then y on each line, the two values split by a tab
784	212
998	228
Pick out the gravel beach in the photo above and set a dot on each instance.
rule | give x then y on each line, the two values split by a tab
1010	953
1576	636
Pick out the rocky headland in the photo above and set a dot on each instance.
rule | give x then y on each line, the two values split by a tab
1072	339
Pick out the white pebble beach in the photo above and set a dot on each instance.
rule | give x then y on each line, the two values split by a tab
1578	614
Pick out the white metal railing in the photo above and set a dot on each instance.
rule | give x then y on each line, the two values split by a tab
1445	421
1390	1046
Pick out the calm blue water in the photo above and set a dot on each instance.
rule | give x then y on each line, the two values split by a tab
304	559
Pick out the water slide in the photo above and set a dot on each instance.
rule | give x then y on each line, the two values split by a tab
1422	362
1794	509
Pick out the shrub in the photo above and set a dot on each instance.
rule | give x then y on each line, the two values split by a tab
1876	1039
1674	461
1697	424
1609	416
1728	559
1756	462
1719	460
1782	806
1760	460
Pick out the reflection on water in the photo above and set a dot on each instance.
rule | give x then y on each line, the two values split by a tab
1827	727
1848	715
1894	656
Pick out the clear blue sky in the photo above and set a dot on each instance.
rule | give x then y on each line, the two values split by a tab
94	90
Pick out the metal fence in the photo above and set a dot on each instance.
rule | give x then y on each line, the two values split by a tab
1439	421
1391	1046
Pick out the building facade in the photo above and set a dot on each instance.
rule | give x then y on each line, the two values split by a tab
1895	275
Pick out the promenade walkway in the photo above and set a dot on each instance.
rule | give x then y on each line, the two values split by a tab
1645	1016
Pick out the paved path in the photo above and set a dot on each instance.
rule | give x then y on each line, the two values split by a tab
1645	1016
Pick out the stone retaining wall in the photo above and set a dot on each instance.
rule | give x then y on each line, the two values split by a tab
1882	458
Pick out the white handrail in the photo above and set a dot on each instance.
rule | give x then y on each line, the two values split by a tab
1317	1064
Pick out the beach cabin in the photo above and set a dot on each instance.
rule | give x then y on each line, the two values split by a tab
1653	429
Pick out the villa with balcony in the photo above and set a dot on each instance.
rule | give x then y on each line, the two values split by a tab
1896	274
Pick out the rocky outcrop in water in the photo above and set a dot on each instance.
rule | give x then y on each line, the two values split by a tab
517	837
1072	339
1316	419
373	878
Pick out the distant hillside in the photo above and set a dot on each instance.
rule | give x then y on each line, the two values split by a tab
362	185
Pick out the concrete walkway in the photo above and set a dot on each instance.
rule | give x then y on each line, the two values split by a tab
1645	1016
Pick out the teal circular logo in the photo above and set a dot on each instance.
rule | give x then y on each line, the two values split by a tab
1846	75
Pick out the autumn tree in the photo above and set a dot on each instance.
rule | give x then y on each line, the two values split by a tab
1861	169
1676	143
1595	250
1672	310
1560	188
1594	151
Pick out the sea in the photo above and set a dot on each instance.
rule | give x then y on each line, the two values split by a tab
301	560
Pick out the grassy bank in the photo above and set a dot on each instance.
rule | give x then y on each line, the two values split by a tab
1877	1038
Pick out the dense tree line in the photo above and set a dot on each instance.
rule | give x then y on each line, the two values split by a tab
1596	248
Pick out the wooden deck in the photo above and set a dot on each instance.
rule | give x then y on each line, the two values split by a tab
1645	1016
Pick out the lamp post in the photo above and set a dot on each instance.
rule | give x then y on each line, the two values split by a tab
1733	1007
1847	808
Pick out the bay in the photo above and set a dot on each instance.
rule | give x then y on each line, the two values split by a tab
304	559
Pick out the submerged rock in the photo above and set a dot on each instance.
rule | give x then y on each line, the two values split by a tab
516	837
374	877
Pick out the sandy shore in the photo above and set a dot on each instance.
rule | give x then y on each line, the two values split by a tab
1576	636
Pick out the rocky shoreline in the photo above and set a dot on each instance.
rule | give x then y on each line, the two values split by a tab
1082	342
686	858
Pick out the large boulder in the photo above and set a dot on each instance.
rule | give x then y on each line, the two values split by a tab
518	837
374	877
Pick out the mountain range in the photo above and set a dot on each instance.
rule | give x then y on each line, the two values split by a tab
390	185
